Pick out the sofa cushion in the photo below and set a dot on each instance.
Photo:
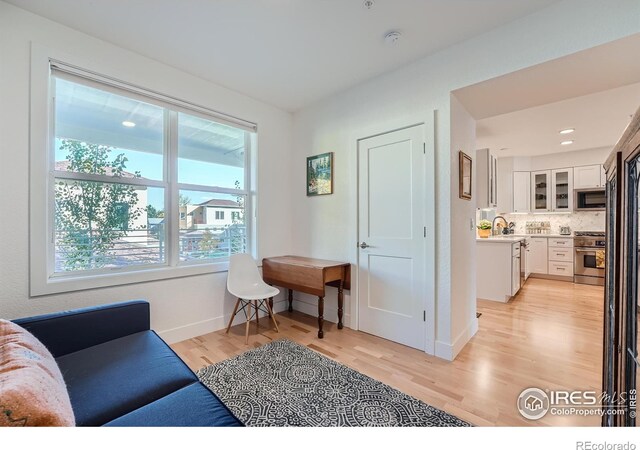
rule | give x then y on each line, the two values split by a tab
112	379
32	390
191	406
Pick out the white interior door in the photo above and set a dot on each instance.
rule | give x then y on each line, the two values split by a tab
391	270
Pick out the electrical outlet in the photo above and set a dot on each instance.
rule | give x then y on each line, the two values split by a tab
471	224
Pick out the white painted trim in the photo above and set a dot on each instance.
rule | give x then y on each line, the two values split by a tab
428	120
195	329
450	351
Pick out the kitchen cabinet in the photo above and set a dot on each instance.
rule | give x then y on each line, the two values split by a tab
538	255
562	190
521	192
527	260
498	279
587	177
561	257
515	269
541	191
486	179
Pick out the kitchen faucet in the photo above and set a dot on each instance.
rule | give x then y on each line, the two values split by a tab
493	223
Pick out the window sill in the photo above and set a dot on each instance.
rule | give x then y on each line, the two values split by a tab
71	283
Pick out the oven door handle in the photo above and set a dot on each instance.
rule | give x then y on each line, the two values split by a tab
588	250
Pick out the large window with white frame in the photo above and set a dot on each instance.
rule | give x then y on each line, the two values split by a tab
137	182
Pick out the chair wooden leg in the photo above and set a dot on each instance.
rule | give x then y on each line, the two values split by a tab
273	317
235	310
246	332
255	304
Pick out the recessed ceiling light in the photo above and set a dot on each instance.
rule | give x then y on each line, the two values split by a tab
567	131
566	142
368	4
128	124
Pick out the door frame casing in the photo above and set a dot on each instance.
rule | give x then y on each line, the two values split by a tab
428	134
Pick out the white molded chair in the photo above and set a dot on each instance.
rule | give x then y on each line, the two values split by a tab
244	281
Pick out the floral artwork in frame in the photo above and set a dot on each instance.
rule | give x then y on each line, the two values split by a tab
320	174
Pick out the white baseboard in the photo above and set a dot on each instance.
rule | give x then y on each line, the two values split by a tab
450	351
195	329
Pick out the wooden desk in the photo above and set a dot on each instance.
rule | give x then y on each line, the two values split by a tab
308	275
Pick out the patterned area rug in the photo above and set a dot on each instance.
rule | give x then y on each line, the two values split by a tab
286	384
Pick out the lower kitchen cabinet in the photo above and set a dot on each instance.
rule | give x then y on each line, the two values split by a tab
538	256
498	269
551	256
561	257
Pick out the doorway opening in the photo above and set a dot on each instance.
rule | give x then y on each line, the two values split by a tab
542	136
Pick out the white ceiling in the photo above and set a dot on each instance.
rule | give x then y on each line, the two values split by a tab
599	120
286	52
593	70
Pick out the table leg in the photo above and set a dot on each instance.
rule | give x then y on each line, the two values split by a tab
290	300
340	305
320	317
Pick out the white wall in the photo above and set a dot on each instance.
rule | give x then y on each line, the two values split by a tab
182	307
326	226
463	322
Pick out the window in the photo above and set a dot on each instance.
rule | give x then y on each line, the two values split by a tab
134	179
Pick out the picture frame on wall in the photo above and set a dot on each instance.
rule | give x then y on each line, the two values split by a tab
320	174
465	175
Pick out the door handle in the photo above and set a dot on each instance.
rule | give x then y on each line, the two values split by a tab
363	245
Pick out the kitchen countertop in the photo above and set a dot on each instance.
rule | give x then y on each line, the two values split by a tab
519	237
562	236
502	239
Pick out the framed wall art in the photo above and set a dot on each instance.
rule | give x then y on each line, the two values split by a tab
320	174
464	175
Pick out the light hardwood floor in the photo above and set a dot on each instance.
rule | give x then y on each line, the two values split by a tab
549	336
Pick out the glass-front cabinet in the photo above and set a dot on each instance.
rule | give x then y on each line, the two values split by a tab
562	190
541	191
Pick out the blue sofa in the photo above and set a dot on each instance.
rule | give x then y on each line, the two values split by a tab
120	373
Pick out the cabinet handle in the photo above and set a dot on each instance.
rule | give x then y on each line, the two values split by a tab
560	268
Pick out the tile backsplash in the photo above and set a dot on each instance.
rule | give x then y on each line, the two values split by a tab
578	221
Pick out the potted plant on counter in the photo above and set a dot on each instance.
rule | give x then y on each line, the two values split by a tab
484	228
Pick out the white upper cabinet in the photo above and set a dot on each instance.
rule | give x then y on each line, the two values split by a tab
562	190
541	191
521	192
586	177
486	179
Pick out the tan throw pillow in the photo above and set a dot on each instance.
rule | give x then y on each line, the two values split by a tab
32	390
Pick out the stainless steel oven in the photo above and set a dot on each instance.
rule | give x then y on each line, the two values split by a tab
589	260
